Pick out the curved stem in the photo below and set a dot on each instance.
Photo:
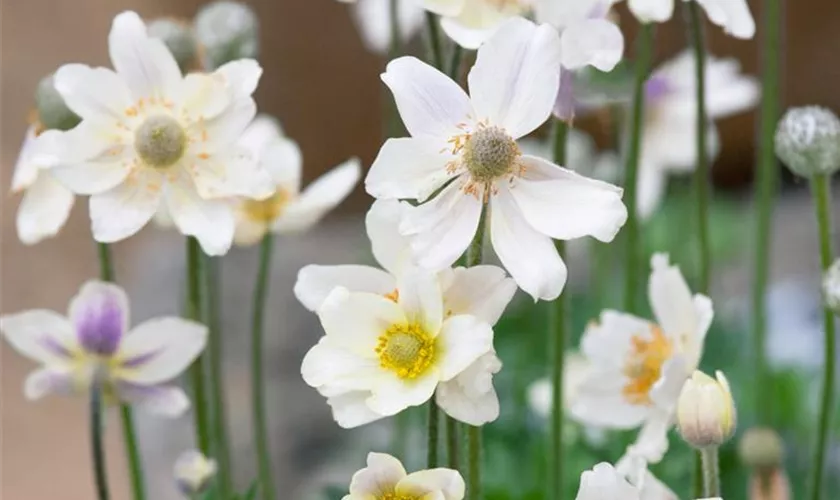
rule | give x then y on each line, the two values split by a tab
435	50
711	472
96	444
432	458
453	444
261	434
820	187
193	312
644	47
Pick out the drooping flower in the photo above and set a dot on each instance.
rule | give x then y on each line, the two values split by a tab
193	473
288	209
373	18
638	367
467	148
384	478
472	22
93	346
150	136
732	15
480	291
669	137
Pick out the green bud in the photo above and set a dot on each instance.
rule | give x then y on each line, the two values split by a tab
53	112
808	141
227	31
761	448
179	39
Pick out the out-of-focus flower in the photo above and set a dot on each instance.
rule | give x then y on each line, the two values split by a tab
732	15
706	415
761	448
575	370
179	38
669	139
93	347
466	148
628	480
150	136
775	485
373	17
831	287
472	22
288	209
639	367
53	112
226	31
808	141
385	478
193	473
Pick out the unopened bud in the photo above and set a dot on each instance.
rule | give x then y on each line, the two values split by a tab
706	415
227	31
808	141
193	473
761	448
53	112
179	39
831	287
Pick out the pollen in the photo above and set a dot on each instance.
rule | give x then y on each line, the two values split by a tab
160	141
489	153
267	210
407	350
395	496
643	366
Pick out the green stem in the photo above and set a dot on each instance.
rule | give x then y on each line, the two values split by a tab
193	312
821	189
453	444
394	24
455	62
432	458
106	264
766	181
711	472
701	174
261	434
644	50
697	484
435	50
97	446
402	427
474	459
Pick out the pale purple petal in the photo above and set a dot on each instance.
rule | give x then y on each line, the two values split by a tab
656	88
564	106
100	322
163	400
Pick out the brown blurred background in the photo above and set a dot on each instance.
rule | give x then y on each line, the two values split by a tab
324	87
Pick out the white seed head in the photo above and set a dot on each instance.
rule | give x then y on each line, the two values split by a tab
831	287
706	415
53	112
193	473
178	38
808	141
160	141
489	153
227	31
761	448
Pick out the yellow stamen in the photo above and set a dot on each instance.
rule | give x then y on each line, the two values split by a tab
267	211
406	349
644	365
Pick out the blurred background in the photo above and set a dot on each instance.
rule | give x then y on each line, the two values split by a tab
323	85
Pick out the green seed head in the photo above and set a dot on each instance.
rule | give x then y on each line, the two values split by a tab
178	38
160	141
53	112
808	141
490	153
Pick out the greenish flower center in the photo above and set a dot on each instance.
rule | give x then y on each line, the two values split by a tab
160	141
489	153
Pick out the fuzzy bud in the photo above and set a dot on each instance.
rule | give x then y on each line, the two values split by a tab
179	39
706	415
193	473
831	287
227	31
808	141
53	112
761	448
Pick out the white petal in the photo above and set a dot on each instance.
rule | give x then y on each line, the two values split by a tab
603	482
529	256
43	210
652	442
650	187
231	172
328	364
421	300
443	7
673	375
46	381
467	398
393	394
429	481
315	282
600	402
429	102
693	344
671	299
158	350
144	63
248	232
373	20
647	11
462	340
390	249
480	291
224	129
468	35
96	94
732	15
441	229
122	211
607	342
356	320
41	335
379	478
283	160
516	76
409	167
240	76
350	409
593	42
26	170
89	161
210	221
165	401
261	132
729	91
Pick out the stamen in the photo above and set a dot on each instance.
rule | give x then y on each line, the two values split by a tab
268	210
644	365
489	153
406	349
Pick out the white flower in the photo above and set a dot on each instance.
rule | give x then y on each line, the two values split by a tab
193	472
287	209
638	367
732	15
628	480
373	18
150	136
92	345
472	22
481	291
471	142
384	478
669	137
46	203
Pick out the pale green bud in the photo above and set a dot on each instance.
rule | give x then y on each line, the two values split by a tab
227	31
193	473
808	141
706	415
761	448
53	112
179	39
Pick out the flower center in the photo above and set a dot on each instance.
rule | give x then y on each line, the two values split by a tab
395	496
160	141
644	365
490	153
406	349
267	210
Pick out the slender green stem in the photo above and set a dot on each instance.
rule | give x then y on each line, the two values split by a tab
432	454
402	427
711	472
701	174
193	312
697	485
97	446
106	263
765	186
454	70
453	444
821	189
435	48
261	434
474	446
644	49
394	47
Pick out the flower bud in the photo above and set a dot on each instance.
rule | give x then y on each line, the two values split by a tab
808	141
227	31
761	448
179	39
831	287
193	472
53	112
706	414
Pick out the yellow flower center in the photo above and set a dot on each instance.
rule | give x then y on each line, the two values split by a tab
160	141
396	496
406	349
644	365
267	210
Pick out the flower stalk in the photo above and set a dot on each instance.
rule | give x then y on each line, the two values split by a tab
475	253
435	47
432	458
97	444
193	312
711	472
453	444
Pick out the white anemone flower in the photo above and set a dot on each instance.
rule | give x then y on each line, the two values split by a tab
93	346
46	203
469	23
373	18
385	478
732	15
288	209
638	367
669	142
628	480
149	136
466	148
